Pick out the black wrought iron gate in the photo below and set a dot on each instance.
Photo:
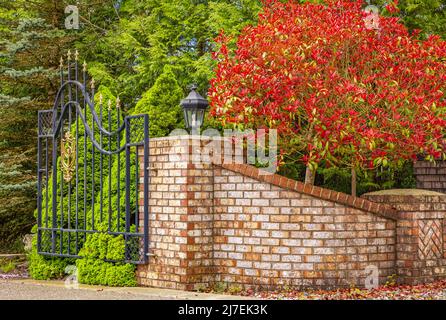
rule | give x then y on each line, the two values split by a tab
89	170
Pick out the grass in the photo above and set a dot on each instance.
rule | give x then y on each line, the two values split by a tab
7	265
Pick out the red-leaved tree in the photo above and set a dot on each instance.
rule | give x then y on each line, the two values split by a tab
338	92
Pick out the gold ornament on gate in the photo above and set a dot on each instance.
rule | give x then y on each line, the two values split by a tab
68	153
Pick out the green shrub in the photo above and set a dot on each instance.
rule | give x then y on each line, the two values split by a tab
116	248
338	179
98	272
120	275
220	287
93	267
94	270
96	246
294	171
46	268
91	271
43	267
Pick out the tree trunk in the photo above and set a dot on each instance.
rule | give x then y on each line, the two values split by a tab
353	182
309	176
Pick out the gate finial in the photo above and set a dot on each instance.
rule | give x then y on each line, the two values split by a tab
92	84
69	55
118	103
109	104
61	62
76	55
84	66
100	98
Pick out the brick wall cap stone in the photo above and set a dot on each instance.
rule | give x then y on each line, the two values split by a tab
407	196
404	192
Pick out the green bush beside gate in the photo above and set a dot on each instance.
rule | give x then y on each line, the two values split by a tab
93	268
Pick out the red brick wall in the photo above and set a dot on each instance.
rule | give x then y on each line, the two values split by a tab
230	223
269	236
421	234
168	217
431	176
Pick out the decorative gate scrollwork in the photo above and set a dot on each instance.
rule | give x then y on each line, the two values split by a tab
89	177
68	161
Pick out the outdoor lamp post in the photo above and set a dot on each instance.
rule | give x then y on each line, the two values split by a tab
194	107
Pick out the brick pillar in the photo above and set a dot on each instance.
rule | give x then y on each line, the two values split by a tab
200	212
167	216
430	175
180	215
421	233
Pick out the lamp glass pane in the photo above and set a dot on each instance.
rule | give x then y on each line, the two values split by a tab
186	119
191	115
199	117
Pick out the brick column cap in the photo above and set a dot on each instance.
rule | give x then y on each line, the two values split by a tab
405	195
410	199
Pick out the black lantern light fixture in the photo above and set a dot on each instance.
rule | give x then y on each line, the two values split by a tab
194	106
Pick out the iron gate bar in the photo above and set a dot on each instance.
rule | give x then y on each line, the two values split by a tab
109	177
77	159
69	111
84	101
118	207
101	161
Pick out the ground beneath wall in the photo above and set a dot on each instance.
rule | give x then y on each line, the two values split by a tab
431	291
26	289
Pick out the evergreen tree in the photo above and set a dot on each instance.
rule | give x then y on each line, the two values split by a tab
129	53
17	188
161	103
30	46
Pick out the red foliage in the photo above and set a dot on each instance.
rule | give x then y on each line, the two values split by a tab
335	90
